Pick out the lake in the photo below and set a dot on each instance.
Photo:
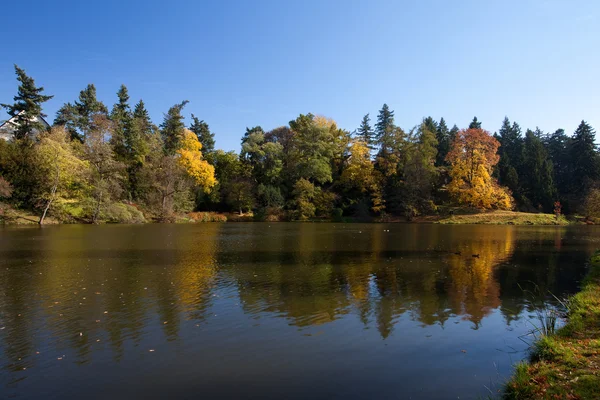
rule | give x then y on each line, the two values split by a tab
275	311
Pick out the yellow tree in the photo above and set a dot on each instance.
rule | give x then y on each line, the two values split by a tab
58	168
472	157
360	175
191	160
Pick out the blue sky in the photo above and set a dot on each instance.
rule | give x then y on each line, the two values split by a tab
247	63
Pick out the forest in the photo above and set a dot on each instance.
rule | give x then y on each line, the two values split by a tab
100	164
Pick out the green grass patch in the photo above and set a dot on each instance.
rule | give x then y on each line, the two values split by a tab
505	218
566	365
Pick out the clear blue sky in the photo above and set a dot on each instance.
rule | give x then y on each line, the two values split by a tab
247	63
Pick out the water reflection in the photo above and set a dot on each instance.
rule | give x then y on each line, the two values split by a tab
100	294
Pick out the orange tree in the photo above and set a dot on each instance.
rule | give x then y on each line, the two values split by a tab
472	156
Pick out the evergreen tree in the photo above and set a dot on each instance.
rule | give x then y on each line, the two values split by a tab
27	105
538	182
172	128
78	117
121	116
205	136
365	132
558	145
584	160
443	138
511	156
384	129
475	124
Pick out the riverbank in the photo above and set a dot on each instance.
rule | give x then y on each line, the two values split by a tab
12	216
566	364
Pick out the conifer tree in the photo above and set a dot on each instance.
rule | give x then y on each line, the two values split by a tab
475	124
538	182
205	136
365	132
384	129
584	160
443	138
172	128
27	105
121	116
78	118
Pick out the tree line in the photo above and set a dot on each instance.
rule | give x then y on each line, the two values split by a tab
115	165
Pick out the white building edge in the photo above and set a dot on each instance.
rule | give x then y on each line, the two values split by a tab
8	128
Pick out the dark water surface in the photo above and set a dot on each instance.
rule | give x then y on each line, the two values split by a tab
273	311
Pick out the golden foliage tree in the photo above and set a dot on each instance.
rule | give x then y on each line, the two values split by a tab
190	159
472	157
58	168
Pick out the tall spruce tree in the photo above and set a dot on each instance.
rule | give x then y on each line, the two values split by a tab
475	124
78	117
365	132
442	135
27	106
384	129
172	128
122	117
584	160
511	156
205	136
558	145
537	178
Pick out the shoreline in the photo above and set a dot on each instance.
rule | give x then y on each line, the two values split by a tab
565	364
19	217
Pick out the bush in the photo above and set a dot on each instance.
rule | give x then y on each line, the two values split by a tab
207	217
122	213
336	215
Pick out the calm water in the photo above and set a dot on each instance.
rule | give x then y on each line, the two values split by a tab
281	311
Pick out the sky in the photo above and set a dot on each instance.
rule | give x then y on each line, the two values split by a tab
247	63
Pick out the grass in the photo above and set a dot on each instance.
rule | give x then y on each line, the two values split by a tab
566	364
505	218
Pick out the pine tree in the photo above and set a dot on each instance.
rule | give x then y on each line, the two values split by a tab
365	132
538	182
511	155
205	136
121	117
475	124
172	128
27	105
443	138
78	117
384	129
558	145
584	160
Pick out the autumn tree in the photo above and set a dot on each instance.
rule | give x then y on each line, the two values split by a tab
191	160
472	156
27	106
58	169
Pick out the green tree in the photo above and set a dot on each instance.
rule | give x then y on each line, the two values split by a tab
584	160
57	169
27	106
172	128
122	118
205	136
558	145
475	124
538	185
442	134
384	130
511	156
365	132
313	144
78	117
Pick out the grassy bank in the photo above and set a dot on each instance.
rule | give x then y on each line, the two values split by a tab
566	364
505	218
